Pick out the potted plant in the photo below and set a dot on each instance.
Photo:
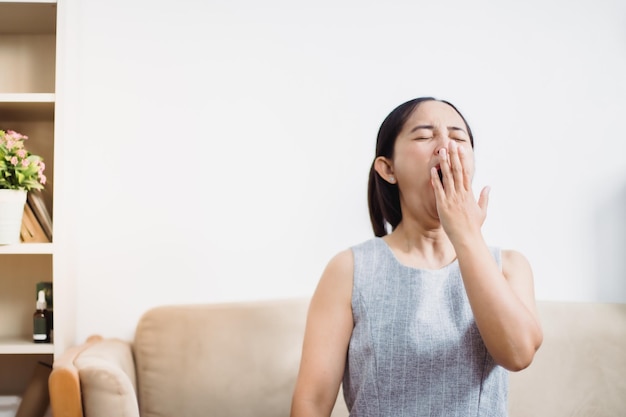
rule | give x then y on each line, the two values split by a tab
20	172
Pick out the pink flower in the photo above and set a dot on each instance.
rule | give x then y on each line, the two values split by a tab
12	134
21	169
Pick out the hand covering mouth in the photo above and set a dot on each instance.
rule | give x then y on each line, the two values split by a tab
439	173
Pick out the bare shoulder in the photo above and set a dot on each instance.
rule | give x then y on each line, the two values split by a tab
518	273
342	263
336	281
514	263
330	312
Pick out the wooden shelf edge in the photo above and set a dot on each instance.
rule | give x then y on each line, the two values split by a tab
19	346
27	249
29	1
27	97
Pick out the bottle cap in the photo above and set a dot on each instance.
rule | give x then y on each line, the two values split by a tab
41	300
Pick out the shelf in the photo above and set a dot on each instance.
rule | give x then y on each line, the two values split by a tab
28	81
27	106
26	98
20	346
28	16
27	249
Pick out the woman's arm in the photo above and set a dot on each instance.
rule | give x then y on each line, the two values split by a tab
328	330
503	304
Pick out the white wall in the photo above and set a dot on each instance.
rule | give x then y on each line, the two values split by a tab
225	145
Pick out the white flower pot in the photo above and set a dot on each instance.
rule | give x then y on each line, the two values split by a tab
11	212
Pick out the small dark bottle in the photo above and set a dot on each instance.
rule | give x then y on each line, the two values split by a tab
41	326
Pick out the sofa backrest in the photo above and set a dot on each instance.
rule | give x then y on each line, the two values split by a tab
241	360
580	369
223	360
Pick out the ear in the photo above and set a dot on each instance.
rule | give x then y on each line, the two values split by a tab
384	168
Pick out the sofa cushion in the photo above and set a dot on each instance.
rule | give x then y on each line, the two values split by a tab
238	359
107	379
579	369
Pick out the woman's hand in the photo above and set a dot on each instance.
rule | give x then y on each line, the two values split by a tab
459	213
502	300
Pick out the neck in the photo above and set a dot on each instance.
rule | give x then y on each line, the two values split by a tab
419	246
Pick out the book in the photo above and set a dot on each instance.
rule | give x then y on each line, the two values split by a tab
31	230
38	207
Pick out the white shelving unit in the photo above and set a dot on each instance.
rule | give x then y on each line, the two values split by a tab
12	346
28	104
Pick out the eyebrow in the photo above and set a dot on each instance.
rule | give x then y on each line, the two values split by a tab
431	127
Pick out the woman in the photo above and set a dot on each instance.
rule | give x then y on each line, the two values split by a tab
427	319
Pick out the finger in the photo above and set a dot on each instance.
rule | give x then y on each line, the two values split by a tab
467	177
483	200
444	165
435	179
456	166
436	183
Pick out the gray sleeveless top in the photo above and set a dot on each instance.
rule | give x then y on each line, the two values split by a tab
415	349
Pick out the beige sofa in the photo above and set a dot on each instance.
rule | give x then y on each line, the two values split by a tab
241	359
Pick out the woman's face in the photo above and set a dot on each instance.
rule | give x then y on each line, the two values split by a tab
432	125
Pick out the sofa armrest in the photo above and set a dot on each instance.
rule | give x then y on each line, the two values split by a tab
96	379
64	384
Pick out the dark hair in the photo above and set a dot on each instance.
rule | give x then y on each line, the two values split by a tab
384	198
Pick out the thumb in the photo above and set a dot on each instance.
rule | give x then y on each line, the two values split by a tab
483	199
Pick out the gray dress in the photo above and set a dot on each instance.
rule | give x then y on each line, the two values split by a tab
415	349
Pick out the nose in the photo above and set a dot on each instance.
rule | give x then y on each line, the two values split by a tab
443	142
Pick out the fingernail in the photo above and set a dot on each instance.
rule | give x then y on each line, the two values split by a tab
442	153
